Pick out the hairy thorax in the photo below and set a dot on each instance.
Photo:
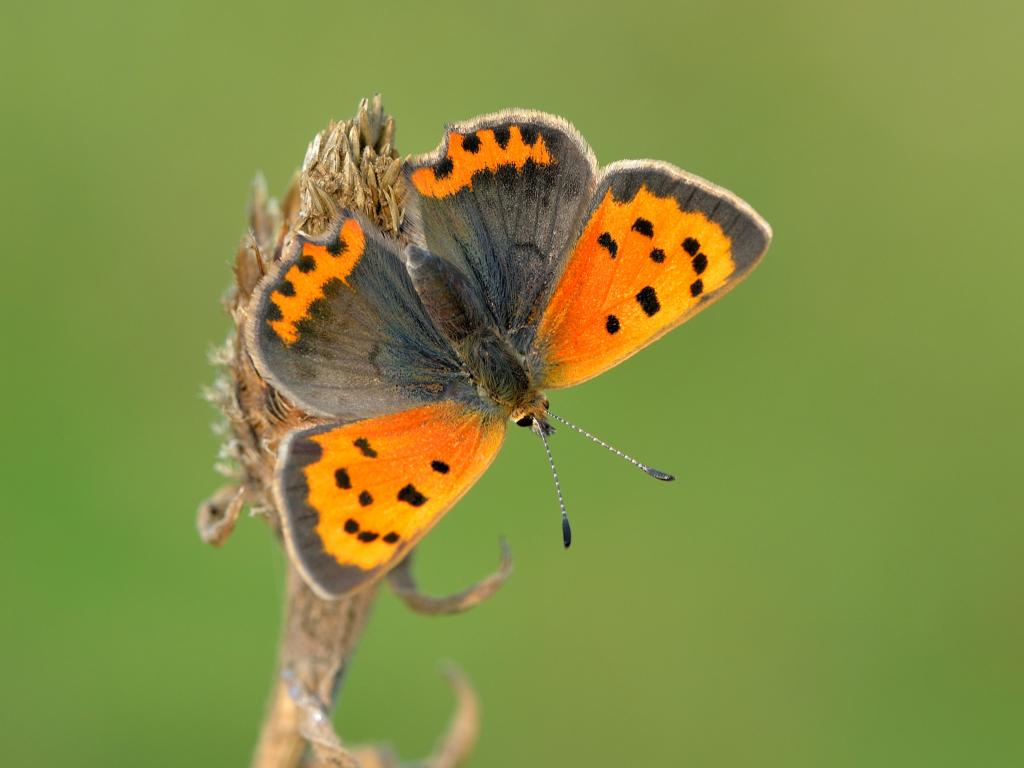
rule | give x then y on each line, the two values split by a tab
501	376
496	368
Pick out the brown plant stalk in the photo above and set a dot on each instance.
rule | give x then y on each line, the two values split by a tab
351	164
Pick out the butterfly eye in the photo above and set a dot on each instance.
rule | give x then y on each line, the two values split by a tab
526	421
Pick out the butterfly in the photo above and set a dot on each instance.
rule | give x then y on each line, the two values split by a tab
526	268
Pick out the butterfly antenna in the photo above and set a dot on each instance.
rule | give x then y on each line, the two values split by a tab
542	430
649	470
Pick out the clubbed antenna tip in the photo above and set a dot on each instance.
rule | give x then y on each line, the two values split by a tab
544	430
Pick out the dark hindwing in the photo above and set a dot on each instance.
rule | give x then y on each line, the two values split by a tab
338	328
502	199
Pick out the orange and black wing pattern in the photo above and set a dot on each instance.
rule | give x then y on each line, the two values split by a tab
338	328
657	246
501	199
357	497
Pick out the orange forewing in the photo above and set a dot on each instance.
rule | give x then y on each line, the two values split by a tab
476	152
640	268
306	280
373	488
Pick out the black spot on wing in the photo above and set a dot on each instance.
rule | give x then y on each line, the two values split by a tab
341	478
332	286
351	526
365	499
439	466
286	288
367	536
336	247
391	538
364	446
657	255
318	309
644	227
696	287
273	312
691	246
648	301
607	242
444	168
700	263
306	328
502	135
410	495
471	143
529	135
306	263
612	324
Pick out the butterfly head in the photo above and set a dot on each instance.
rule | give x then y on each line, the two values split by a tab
533	415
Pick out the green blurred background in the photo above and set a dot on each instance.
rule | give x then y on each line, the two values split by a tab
834	580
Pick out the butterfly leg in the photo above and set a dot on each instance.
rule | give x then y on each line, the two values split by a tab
404	584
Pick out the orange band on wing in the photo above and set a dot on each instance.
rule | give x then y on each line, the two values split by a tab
306	281
486	150
380	484
639	269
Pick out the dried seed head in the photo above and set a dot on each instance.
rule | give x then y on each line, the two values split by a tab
351	164
343	169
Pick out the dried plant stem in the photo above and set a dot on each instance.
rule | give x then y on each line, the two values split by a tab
317	639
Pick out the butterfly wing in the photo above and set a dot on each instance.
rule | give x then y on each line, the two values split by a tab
356	497
501	198
658	246
338	328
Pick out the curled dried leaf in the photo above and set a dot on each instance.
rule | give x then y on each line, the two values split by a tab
217	515
404	585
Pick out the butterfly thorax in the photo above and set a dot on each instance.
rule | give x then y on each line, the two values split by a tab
490	360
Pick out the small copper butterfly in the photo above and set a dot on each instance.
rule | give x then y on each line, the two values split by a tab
527	269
